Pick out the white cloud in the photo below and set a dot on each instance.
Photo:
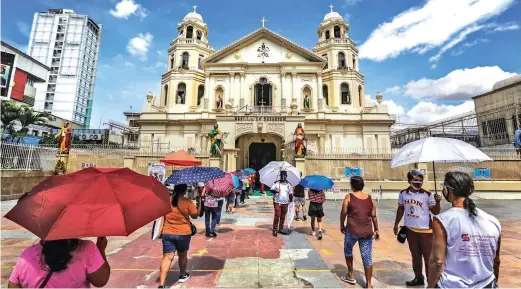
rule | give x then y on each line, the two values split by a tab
461	36
426	112
351	2
155	67
393	107
394	90
468	45
24	28
139	45
504	27
128	64
126	8
421	29
457	85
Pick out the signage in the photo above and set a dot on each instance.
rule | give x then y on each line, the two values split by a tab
482	174
157	171
87	165
353	171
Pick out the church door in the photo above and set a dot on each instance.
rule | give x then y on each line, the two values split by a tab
263	101
260	154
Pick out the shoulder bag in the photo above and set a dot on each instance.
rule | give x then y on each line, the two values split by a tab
46	280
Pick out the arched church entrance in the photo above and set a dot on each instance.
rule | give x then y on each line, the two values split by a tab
255	150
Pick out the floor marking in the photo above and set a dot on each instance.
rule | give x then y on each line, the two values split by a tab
200	252
327	252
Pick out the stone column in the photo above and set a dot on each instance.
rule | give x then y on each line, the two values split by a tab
320	97
293	95
241	92
321	143
206	101
230	89
283	96
204	144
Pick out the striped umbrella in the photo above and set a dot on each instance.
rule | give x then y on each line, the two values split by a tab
220	187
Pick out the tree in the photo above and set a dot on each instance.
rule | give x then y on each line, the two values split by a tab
10	113
14	114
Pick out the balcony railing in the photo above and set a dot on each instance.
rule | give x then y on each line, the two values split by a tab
334	41
262	110
191	41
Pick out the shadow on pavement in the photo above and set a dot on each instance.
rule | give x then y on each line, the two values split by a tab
202	266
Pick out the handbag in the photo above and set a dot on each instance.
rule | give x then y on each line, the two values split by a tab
46	280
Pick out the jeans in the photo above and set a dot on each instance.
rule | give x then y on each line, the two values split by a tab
210	224
280	216
219	210
173	243
243	196
365	245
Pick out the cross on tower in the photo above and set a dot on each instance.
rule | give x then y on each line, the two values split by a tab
195	7
331	6
263	20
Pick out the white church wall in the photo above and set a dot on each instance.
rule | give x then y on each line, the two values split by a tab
250	54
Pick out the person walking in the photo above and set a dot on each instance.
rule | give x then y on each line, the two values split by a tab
244	187
220	204
465	251
68	263
177	233
362	227
415	205
211	214
230	201
282	190
299	198
316	210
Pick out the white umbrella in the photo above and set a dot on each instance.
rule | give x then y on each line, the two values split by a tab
291	214
271	173
438	150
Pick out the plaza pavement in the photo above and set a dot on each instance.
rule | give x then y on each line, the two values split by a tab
245	254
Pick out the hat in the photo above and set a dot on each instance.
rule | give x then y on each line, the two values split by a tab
200	184
402	234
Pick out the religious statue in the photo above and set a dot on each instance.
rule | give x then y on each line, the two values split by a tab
219	102
216	138
306	102
300	142
64	138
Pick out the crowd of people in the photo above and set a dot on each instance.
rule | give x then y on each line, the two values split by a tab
459	247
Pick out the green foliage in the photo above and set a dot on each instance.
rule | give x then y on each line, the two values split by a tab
10	113
22	115
49	139
60	168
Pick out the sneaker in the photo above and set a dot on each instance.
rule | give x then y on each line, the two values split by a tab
297	219
183	278
274	233
213	234
319	235
305	218
313	233
160	286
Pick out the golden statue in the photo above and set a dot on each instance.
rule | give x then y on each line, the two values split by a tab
64	138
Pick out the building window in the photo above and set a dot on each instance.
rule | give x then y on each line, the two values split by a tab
337	31
496	128
344	89
325	57
172	63
354	62
199	35
200	94
325	94
181	32
360	96
29	82
165	97
199	61
327	34
341	60
181	93
189	32
184	61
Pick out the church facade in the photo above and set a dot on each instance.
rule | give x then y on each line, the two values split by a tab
258	89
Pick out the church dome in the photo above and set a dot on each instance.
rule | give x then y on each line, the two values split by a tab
193	15
332	15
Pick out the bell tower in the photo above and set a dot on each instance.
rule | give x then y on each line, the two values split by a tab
182	86
343	84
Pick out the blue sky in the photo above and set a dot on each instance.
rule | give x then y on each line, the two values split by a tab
428	58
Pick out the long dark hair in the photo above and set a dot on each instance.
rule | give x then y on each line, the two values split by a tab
178	191
57	254
462	185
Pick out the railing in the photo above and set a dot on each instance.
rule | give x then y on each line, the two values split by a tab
23	157
191	41
262	110
334	41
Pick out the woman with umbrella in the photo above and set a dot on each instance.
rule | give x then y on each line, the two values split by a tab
316	184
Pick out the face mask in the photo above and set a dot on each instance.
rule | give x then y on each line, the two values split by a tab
446	196
416	184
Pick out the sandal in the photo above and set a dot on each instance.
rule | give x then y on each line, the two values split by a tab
346	279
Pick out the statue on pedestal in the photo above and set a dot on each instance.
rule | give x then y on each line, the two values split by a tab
300	142
64	138
306	102
219	102
216	139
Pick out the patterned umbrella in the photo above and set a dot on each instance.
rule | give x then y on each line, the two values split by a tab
194	175
250	170
220	187
242	174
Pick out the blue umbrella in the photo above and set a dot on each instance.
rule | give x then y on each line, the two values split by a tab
242	174
317	182
236	182
194	175
250	170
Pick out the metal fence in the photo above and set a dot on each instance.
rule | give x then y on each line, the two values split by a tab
27	157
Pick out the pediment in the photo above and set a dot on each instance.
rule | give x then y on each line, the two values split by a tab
263	46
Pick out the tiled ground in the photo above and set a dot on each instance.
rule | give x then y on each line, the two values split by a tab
245	254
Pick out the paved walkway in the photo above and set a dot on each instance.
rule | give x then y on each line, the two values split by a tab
245	254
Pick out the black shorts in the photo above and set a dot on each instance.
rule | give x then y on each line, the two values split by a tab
315	210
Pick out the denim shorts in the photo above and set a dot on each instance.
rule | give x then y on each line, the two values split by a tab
230	200
173	243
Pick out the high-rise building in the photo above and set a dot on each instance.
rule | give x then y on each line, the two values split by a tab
69	44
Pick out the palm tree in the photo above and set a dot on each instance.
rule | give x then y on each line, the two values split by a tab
29	116
10	113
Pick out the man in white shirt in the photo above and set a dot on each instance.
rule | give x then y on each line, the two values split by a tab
415	205
281	189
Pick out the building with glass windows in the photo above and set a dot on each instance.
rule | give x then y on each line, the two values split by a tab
69	44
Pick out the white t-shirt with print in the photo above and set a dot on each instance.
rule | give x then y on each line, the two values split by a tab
284	190
471	248
417	208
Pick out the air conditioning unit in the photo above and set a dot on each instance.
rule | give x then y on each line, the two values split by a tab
84	136
95	136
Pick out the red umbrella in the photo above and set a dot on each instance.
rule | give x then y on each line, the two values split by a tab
220	187
91	203
181	158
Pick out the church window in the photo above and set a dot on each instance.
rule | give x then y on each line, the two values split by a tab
200	94
325	94
341	60
181	93
184	61
199	61
337	31
189	32
181	32
360	96
327	34
165	97
172	63
344	89
199	35
325	57
354	62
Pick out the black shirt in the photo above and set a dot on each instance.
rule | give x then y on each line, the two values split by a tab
299	191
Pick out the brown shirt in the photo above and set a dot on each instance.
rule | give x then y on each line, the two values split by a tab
177	221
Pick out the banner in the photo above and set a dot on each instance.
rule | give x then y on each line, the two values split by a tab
353	171
482	174
158	171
